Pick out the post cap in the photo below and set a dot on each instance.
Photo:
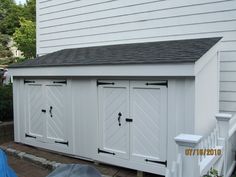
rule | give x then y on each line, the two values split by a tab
188	140
223	117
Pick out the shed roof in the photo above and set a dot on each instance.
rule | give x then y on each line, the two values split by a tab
178	51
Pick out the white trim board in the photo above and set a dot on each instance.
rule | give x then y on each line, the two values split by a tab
108	70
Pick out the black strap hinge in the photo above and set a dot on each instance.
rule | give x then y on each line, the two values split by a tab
62	142
30	136
155	161
105	83
28	81
60	82
106	152
158	83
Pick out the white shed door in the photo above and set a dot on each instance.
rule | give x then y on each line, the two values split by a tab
34	109
56	101
46	111
148	109
113	109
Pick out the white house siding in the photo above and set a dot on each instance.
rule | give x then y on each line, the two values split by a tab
73	23
228	81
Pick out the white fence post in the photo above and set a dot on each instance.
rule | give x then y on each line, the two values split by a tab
223	123
186	144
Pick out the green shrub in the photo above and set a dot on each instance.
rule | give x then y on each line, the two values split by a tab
6	103
212	173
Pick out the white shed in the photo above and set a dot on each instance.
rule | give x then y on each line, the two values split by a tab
118	104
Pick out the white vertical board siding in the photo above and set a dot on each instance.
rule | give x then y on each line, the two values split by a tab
18	113
85	117
71	24
206	95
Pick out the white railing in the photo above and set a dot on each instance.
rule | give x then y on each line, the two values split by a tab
197	154
211	155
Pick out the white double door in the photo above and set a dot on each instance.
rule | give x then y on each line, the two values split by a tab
132	120
46	102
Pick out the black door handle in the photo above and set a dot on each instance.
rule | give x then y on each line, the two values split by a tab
119	117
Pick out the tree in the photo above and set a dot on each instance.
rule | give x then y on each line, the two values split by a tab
4	49
4	5
25	38
9	16
29	11
10	13
20	21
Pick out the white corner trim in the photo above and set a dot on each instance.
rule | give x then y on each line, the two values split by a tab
206	58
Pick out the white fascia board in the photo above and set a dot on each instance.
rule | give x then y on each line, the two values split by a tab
206	58
108	70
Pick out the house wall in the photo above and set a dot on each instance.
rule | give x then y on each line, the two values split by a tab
70	24
228	81
84	112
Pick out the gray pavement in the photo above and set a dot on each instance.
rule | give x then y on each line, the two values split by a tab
25	168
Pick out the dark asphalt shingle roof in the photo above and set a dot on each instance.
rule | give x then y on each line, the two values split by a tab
179	51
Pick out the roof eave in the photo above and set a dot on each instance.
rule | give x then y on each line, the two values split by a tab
180	69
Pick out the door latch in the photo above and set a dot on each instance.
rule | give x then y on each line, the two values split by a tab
128	120
43	110
119	118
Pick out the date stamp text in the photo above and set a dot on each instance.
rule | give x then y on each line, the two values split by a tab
202	152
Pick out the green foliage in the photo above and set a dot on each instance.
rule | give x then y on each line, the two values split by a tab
25	38
212	173
4	6
4	39
6	103
11	60
29	11
10	13
9	18
20	21
4	50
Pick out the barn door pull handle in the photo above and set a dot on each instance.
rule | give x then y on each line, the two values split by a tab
119	117
43	110
50	111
